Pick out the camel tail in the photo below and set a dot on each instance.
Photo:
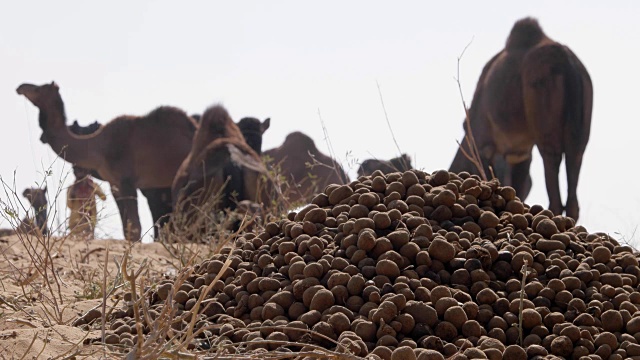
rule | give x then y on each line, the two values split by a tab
574	113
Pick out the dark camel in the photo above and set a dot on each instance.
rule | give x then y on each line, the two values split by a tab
305	169
130	152
401	163
220	163
252	130
78	129
38	225
534	92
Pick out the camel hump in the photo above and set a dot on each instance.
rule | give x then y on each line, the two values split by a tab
216	117
525	34
300	142
217	123
545	61
78	129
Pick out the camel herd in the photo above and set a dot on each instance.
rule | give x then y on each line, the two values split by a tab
533	92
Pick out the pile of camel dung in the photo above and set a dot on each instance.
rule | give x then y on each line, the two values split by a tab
408	265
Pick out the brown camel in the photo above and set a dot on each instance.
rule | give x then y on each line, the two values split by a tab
220	163
38	225
534	92
305	169
401	163
159	199
130	152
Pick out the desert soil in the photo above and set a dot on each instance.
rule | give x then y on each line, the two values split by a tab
37	309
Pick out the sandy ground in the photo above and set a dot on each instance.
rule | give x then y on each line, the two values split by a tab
37	309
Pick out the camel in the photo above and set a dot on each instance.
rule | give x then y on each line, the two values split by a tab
38	225
306	170
130	152
534	92
159	199
220	163
78	129
252	130
401	163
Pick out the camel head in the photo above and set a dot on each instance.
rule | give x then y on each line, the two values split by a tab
252	130
45	97
39	95
402	163
37	197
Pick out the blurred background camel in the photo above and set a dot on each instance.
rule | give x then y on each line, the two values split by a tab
252	130
158	199
130	152
533	92
220	171
306	170
81	200
36	225
401	163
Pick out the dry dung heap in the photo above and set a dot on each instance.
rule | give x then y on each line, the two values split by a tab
413	266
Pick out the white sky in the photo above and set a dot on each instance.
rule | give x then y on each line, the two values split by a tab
289	60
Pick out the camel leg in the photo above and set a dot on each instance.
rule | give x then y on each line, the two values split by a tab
159	201
573	163
552	160
521	180
118	198
127	200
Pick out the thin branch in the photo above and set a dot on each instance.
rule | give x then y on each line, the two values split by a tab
474	157
384	109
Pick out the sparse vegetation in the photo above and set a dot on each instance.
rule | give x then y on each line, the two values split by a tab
405	265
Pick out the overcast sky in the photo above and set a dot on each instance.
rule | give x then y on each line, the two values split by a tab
308	63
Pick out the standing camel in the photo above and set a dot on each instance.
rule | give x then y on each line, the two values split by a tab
534	92
305	169
159	199
130	152
400	163
220	163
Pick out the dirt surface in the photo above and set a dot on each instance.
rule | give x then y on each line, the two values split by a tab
37	309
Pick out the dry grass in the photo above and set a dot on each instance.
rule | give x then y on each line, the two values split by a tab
58	292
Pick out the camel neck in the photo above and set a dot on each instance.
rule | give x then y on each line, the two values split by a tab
79	150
